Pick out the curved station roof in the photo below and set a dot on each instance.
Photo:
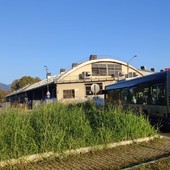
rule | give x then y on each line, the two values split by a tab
75	66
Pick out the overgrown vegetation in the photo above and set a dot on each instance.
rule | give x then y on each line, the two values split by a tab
58	127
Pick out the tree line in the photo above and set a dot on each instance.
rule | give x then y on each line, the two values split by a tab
18	84
24	81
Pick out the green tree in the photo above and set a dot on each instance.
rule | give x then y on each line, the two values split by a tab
23	81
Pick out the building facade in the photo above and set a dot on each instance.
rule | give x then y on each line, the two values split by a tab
82	81
77	83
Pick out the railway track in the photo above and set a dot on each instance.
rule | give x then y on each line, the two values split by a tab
160	158
144	164
122	157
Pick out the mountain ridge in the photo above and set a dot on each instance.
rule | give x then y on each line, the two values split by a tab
5	87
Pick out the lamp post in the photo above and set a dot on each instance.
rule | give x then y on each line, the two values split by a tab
128	64
48	93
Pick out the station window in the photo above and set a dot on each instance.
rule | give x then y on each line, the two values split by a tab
99	70
106	69
114	69
88	89
68	94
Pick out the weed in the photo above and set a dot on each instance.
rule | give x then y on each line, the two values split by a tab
58	127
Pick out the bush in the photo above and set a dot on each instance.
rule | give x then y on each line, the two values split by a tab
59	126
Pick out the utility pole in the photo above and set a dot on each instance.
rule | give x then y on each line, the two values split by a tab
128	64
48	93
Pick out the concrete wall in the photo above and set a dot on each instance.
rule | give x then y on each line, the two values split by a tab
78	87
72	81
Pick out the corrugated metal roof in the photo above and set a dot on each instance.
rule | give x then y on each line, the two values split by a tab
33	86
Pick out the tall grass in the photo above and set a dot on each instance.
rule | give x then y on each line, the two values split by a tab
59	126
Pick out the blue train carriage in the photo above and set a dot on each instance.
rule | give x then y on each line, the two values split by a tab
148	94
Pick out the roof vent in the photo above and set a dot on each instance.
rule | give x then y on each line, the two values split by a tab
153	69
74	65
62	70
93	57
143	68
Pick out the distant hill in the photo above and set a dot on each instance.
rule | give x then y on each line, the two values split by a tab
4	87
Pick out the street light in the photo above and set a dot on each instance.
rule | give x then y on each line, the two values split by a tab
48	93
128	64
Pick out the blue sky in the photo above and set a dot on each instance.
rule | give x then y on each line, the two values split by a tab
57	33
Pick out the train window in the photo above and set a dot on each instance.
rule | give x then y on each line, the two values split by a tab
146	95
124	95
113	97
109	97
132	95
143	94
140	95
158	94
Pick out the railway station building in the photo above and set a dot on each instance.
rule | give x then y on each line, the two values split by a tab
82	81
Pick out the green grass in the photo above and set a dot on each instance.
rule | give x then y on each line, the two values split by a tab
58	127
